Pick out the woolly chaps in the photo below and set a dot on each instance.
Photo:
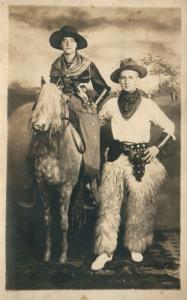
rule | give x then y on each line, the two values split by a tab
118	189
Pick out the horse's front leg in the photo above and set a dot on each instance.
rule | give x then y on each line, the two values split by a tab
65	195
47	222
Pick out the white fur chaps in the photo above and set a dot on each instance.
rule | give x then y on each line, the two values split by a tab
119	188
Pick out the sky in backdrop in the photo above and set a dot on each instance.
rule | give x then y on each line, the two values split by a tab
112	33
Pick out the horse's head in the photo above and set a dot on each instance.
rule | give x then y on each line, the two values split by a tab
50	110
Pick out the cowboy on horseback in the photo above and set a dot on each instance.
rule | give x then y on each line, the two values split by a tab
72	73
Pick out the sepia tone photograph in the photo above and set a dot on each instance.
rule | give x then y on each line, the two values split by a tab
93	182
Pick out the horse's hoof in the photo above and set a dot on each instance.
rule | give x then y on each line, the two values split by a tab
46	261
47	258
63	259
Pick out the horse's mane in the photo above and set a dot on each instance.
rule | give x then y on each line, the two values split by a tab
49	107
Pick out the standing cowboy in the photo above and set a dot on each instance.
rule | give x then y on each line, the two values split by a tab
72	72
132	174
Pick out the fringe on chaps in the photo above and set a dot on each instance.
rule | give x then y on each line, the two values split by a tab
120	188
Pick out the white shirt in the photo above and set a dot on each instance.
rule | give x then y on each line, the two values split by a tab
136	129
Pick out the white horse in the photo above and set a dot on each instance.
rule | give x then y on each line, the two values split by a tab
58	158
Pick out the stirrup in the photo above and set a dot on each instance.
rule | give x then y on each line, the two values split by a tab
28	197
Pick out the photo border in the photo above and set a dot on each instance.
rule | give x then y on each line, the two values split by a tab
150	294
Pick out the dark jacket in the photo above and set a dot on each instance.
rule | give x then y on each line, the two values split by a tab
69	83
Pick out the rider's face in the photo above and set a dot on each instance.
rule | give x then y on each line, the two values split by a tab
69	45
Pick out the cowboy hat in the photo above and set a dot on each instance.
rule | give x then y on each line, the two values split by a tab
67	31
128	64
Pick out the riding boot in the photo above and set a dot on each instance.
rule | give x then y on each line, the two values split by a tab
90	193
85	196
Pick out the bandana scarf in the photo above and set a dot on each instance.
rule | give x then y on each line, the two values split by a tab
128	103
77	66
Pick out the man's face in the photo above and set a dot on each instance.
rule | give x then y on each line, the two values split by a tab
69	45
128	80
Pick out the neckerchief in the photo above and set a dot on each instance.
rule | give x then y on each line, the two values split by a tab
128	103
78	65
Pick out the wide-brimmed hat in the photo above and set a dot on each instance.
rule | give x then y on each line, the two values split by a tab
67	31
128	64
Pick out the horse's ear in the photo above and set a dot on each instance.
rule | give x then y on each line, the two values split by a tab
42	81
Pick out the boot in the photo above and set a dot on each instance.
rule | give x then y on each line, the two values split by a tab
89	196
89	200
136	256
85	195
100	261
